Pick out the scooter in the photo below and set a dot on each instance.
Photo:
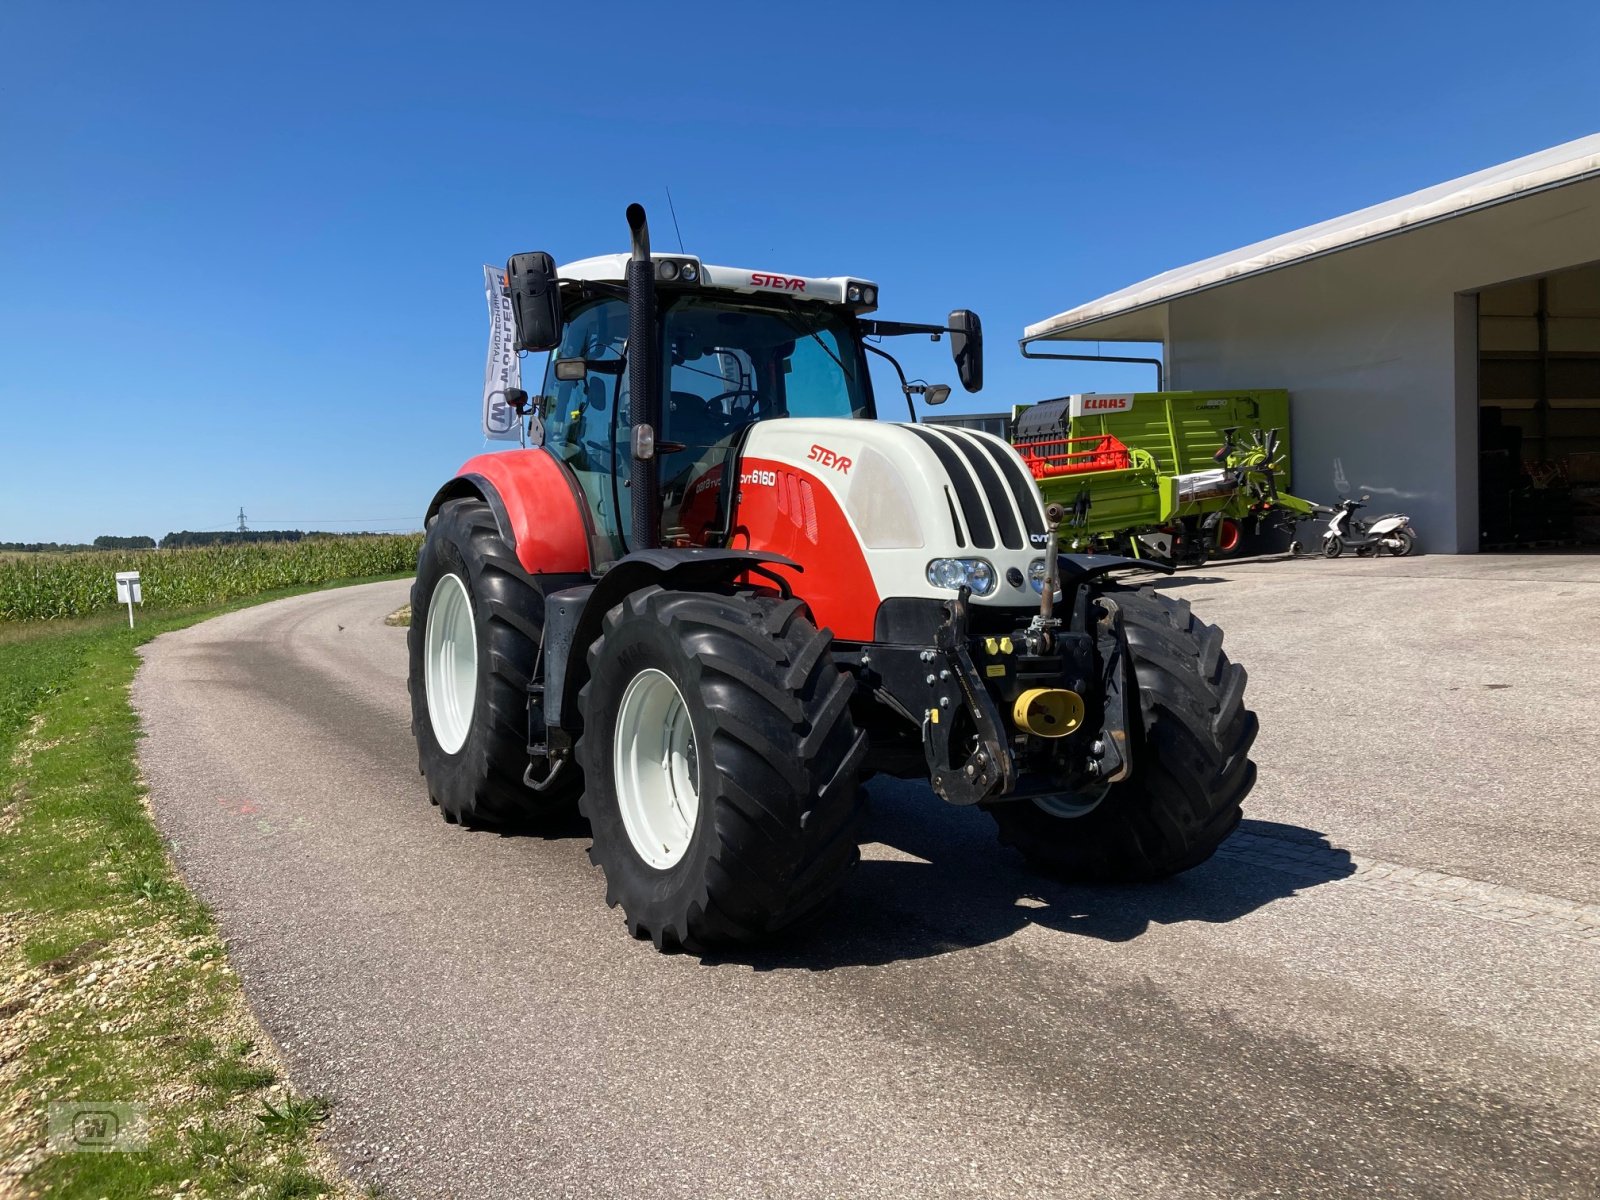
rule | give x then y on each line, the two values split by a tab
1346	531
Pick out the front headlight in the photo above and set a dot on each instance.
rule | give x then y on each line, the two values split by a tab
974	573
1036	578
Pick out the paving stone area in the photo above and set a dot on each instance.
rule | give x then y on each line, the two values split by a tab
1436	712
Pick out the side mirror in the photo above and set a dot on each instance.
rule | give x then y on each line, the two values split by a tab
535	300
517	401
936	393
966	347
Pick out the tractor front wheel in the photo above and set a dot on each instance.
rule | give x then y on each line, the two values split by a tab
1191	765
720	764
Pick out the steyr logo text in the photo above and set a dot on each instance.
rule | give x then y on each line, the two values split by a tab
782	282
829	458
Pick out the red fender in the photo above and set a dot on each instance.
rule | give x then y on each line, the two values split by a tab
536	504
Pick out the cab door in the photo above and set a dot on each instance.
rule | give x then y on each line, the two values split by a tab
586	420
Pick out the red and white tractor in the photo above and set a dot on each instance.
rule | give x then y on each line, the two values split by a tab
722	592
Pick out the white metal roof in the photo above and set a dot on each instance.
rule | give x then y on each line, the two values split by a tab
1567	163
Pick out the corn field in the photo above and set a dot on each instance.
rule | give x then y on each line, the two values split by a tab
42	587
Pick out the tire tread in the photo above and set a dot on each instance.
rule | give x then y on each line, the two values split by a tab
1192	769
779	772
487	790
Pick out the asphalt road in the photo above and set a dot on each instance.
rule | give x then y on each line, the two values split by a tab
1384	986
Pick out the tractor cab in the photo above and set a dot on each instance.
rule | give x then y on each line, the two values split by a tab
728	360
728	347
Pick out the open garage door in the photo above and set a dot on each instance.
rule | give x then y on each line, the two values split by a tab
1539	412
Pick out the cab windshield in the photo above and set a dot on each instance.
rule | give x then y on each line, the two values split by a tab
745	363
729	364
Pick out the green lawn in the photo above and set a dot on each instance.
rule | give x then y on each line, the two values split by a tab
114	984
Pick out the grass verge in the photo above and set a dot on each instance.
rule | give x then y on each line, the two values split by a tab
114	983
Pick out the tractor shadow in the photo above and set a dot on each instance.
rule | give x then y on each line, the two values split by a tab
1167	583
934	880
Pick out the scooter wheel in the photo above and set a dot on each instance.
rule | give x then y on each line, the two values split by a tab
1404	543
1332	547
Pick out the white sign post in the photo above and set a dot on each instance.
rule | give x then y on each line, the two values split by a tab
128	592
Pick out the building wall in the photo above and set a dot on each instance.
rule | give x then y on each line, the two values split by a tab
1369	343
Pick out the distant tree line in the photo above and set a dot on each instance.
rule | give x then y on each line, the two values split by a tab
103	542
231	537
174	541
228	537
124	543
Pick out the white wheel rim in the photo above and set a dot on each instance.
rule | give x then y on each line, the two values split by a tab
1067	805
450	663
657	769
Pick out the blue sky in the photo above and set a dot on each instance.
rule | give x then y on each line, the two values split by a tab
240	245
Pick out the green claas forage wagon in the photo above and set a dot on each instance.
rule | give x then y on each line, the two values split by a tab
1171	475
722	591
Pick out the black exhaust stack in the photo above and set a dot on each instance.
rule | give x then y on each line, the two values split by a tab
644	386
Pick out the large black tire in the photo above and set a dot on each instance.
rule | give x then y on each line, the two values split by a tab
777	759
1223	534
481	782
1191	752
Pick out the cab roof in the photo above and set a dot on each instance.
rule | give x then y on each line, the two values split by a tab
829	289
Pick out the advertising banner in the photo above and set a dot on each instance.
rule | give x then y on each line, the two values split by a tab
502	371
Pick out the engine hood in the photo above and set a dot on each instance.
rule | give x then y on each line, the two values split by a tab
910	493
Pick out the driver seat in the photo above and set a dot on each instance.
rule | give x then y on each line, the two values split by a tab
694	421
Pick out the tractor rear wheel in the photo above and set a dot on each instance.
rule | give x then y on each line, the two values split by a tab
1191	747
720	764
476	622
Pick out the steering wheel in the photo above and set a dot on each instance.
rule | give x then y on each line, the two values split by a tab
731	393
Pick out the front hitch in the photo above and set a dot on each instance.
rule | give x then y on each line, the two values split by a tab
988	770
965	696
993	770
1111	757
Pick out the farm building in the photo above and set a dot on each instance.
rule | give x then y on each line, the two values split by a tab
1441	350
